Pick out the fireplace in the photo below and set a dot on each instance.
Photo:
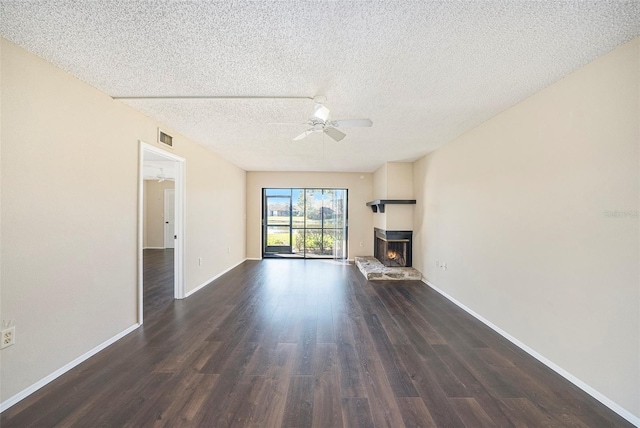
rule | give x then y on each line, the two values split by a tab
393	248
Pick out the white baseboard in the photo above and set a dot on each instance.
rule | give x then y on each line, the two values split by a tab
562	372
253	258
210	280
154	248
62	370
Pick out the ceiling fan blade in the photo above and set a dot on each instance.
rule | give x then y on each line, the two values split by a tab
335	134
304	134
352	123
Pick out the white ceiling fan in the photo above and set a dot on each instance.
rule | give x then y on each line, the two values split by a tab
320	122
161	177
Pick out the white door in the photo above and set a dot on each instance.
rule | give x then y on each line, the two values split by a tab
169	217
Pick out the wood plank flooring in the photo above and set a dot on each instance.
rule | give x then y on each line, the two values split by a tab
308	343
158	281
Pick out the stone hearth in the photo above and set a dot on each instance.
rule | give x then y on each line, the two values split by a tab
373	270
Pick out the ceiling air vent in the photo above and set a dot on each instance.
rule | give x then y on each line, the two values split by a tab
164	138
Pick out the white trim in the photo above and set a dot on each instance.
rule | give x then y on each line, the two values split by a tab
62	370
180	217
210	280
154	248
254	258
562	372
140	248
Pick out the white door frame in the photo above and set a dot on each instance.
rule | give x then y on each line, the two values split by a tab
179	222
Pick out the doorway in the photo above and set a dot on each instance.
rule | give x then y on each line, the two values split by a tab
165	171
304	223
169	217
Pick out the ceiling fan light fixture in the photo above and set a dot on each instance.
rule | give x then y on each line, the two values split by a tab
161	177
321	112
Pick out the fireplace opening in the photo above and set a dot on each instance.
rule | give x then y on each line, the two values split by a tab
393	253
393	248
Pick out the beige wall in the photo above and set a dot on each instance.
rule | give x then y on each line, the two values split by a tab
399	180
380	182
215	216
399	186
68	258
153	232
359	185
394	180
380	192
520	210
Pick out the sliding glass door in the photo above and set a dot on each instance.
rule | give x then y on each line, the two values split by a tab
277	221
312	225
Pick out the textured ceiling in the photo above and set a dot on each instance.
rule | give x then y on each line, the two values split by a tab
423	71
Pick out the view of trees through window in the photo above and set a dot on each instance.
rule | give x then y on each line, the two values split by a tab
305	222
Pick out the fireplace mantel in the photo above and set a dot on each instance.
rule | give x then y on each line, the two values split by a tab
378	204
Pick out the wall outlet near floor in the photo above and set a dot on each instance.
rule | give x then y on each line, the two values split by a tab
437	263
199	261
228	249
8	337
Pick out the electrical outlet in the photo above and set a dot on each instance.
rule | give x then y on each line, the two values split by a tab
437	263
444	265
199	261
8	337
228	249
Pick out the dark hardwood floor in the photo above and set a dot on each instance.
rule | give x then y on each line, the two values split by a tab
310	343
158	282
